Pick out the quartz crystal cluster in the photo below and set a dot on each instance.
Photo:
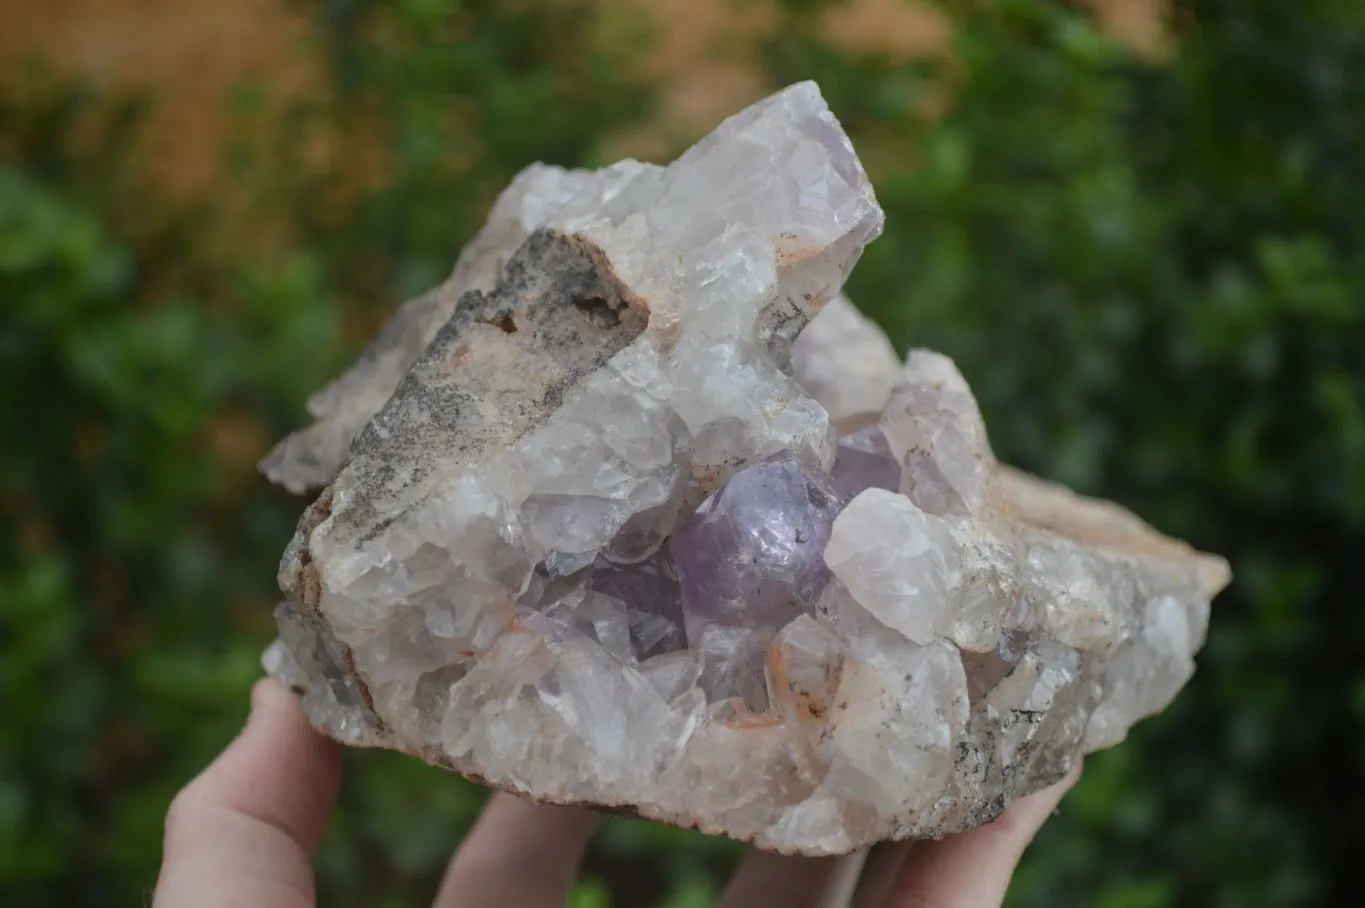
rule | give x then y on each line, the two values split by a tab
602	521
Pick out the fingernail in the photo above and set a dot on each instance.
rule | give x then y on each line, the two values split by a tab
262	696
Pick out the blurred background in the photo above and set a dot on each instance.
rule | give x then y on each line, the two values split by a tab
1137	225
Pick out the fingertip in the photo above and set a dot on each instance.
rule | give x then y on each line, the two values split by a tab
262	693
279	709
255	816
270	697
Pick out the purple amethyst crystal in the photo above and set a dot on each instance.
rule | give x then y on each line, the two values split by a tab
865	461
654	606
752	555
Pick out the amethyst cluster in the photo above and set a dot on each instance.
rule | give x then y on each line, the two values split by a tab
636	510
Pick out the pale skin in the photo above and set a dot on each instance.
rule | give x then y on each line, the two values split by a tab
243	833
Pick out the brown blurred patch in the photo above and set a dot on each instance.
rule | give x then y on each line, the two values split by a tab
1140	24
194	58
36	536
189	57
899	29
707	62
237	440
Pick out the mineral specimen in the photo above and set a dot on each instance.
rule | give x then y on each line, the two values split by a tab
605	523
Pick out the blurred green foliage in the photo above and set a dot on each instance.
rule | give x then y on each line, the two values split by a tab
1152	273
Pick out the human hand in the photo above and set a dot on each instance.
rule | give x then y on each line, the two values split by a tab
244	831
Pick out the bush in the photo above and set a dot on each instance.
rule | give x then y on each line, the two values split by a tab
1150	271
1152	276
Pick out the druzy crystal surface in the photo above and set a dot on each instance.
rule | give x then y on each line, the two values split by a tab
636	510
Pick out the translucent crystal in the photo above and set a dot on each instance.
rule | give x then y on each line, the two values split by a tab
845	362
308	657
732	665
751	556
899	563
614	464
774	244
934	427
730	386
1146	673
674	674
650	592
602	526
862	461
893	745
803	667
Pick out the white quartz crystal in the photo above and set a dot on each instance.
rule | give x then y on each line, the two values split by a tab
845	362
898	562
934	427
599	524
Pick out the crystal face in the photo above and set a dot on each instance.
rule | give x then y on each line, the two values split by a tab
862	461
637	510
752	555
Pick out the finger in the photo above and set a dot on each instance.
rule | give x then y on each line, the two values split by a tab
519	854
972	869
779	881
883	865
244	831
